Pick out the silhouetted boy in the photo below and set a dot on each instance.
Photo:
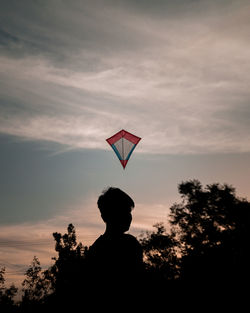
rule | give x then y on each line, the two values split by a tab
115	258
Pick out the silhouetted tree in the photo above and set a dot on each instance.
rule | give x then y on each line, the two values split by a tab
205	252
212	227
161	260
160	253
66	274
36	288
59	285
7	295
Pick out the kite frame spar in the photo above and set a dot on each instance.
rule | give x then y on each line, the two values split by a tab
120	136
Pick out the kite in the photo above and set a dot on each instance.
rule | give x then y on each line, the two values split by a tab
123	143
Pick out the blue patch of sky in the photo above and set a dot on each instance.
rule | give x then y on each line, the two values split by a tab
36	183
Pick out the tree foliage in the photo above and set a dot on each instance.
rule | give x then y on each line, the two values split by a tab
160	253
205	252
66	273
7	294
36	286
212	227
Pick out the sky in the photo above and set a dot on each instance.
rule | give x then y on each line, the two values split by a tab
73	73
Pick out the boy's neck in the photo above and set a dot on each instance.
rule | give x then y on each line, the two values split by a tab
111	231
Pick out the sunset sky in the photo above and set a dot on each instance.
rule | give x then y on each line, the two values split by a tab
73	73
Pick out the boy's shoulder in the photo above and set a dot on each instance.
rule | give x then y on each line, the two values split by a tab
97	242
130	238
123	239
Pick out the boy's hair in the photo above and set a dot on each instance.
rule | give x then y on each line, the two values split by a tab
113	199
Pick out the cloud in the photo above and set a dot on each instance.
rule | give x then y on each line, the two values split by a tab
180	81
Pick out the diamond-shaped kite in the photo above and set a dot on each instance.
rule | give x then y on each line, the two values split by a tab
123	143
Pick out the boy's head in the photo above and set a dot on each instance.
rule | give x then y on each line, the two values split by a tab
115	207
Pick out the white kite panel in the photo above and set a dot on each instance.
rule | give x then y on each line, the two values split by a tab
124	147
127	147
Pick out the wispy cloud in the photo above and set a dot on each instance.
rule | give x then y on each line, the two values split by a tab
180	82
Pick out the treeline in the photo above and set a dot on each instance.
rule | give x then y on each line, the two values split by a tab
203	255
